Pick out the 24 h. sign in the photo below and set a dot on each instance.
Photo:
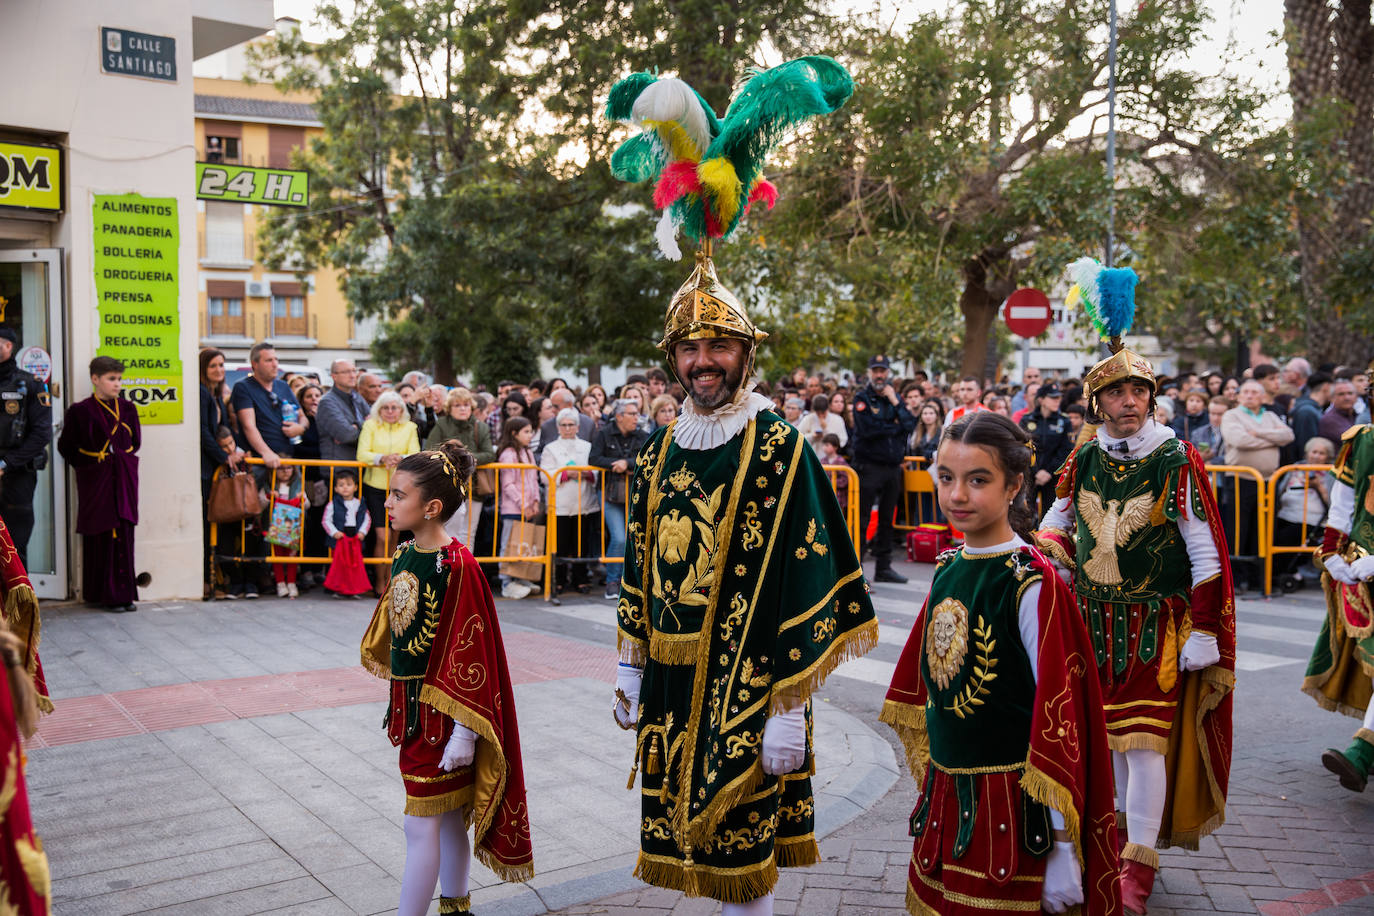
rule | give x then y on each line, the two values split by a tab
245	184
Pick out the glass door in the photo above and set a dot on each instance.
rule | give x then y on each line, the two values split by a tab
31	303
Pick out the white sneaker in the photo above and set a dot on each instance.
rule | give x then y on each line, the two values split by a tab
518	589
291	591
511	590
281	589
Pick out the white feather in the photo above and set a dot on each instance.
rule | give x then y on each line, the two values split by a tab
665	233
1084	272
671	99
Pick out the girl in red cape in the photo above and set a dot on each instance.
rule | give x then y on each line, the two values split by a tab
435	636
997	702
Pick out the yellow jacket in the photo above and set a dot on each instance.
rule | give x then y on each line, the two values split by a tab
377	439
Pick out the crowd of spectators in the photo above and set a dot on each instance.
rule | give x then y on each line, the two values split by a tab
1269	416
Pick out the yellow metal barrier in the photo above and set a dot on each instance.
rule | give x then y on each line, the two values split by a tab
1308	497
383	525
1241	519
851	501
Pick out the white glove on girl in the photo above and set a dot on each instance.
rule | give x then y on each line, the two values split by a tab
460	748
1063	886
784	741
1199	651
1340	570
627	681
1362	568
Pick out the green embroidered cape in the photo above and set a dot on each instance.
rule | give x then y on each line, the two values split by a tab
741	592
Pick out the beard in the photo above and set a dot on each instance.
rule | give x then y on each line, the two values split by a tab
716	395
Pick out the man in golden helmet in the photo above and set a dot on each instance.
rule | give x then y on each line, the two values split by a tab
734	534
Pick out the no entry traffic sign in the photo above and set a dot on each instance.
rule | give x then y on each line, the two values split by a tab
1027	312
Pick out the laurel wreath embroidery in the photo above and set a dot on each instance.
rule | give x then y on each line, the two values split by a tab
746	675
983	663
430	626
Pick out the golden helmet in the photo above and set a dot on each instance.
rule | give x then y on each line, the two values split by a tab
1122	364
703	308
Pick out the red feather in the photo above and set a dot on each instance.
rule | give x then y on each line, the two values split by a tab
765	191
677	181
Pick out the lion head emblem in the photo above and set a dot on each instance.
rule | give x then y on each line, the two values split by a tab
946	641
403	601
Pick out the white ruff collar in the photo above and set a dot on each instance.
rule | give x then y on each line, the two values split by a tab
1142	443
701	430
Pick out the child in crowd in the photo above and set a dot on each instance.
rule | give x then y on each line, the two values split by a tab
518	492
998	705
830	456
347	522
460	745
284	528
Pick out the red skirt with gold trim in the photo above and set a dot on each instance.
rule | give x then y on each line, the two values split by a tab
430	790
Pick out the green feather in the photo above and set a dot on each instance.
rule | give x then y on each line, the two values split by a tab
621	102
639	158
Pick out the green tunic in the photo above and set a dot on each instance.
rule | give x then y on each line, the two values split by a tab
411	606
1342	663
741	592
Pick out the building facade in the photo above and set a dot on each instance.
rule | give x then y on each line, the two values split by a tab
98	131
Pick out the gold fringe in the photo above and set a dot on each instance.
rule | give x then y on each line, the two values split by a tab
1312	687
1041	787
450	905
703	826
431	805
792	691
1053	549
914	904
728	886
504	870
1134	852
1137	741
630	649
44	703
798	852
674	649
909	722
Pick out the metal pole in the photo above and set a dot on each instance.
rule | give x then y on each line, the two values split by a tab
1111	132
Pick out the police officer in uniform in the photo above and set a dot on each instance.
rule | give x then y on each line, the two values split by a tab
25	431
882	425
1052	435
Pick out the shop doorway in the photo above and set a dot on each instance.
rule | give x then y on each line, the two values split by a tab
32	297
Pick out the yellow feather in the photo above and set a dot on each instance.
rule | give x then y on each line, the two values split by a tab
719	179
675	140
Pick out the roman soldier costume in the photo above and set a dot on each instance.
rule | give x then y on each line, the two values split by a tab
1342	664
1005	736
435	636
1137	526
741	588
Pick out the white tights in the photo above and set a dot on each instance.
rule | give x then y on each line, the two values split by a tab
436	850
761	906
1369	716
1141	782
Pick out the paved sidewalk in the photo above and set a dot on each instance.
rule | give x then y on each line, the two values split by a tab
228	758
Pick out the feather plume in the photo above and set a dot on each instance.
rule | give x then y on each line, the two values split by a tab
671	101
1116	294
1083	274
620	102
639	158
763	190
665	234
677	181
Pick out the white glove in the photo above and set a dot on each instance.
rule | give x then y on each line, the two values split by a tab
627	681
1363	568
460	748
1199	651
1340	570
1061	569
783	748
1063	886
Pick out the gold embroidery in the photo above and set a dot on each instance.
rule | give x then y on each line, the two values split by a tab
403	600
682	478
820	549
776	435
823	629
736	745
420	643
810	531
794	654
735	617
1111	528
801	809
674	536
947	641
747	676
657	827
753	528
801	553
984	662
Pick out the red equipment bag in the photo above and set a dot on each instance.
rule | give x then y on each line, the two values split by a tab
925	543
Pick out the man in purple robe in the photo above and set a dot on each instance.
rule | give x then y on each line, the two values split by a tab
100	440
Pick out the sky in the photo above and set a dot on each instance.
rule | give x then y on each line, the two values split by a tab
1245	35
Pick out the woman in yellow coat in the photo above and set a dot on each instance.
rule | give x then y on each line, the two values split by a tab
387	436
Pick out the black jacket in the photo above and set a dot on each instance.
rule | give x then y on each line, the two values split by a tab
609	445
212	417
1053	438
881	429
21	447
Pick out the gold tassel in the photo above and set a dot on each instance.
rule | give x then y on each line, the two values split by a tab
653	765
690	886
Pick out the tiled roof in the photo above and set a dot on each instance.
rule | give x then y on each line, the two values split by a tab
235	107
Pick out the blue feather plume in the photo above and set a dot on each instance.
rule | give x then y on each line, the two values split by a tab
1116	292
